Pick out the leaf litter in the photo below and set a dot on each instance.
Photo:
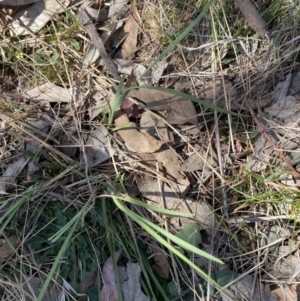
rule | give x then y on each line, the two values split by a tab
33	18
150	137
129	278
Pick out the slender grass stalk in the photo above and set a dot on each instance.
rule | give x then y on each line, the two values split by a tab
150	227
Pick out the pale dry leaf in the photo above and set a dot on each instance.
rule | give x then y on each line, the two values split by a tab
157	71
49	92
89	26
137	70
261	157
287	292
204	215
285	268
91	55
90	280
116	9
67	144
272	233
98	104
5	249
155	194
194	161
8	177
287	109
33	286
151	190
167	156
36	16
17	2
135	140
98	15
161	266
179	110
98	148
130	43
242	289
130	282
37	125
109	290
210	89
294	88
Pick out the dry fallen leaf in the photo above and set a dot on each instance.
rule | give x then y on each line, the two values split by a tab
49	92
109	290
37	126
155	194
98	104
116	9
17	2
67	144
286	267
5	249
166	156
287	109
135	140
262	154
33	286
179	110
130	281
194	162
207	91
130	43
294	88
91	55
287	292
8	177
98	149
161	266
35	16
243	290
138	70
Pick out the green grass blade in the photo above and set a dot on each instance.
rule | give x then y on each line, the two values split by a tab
117	101
13	209
149	229
56	263
204	103
175	239
57	235
167	212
